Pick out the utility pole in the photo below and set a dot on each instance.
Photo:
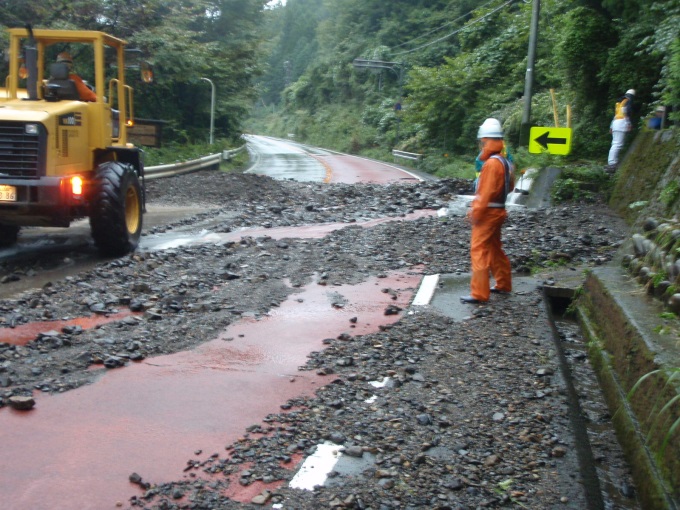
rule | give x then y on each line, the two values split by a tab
286	75
529	79
212	108
397	107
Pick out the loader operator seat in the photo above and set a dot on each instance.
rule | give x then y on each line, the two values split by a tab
59	75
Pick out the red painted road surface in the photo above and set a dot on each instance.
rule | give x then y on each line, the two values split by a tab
351	170
76	450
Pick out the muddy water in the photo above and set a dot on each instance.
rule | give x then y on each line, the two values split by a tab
21	335
316	231
77	449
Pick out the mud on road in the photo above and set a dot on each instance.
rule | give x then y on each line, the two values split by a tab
474	414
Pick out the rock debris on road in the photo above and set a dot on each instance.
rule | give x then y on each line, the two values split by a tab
472	415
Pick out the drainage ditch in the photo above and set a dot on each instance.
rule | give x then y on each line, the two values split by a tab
605	473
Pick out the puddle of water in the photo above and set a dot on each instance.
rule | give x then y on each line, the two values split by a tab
21	335
351	466
326	458
150	417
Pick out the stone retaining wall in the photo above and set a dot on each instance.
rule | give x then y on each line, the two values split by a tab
654	260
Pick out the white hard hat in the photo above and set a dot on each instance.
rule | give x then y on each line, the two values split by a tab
491	128
631	92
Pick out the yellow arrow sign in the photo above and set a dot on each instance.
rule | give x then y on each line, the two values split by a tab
555	141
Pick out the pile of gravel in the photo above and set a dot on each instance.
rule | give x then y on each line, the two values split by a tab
474	414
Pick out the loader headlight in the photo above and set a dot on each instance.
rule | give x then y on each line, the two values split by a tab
31	129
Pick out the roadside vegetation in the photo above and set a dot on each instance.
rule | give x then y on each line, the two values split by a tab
177	153
446	65
449	64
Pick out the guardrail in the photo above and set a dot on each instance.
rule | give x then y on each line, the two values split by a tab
407	155
156	172
227	155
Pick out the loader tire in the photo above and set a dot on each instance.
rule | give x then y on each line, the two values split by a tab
116	210
8	235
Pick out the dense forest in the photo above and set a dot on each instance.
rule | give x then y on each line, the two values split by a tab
448	64
432	69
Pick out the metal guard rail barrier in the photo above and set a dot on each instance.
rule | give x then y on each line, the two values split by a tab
407	155
156	172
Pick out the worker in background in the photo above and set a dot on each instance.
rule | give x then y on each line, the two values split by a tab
619	128
85	93
657	121
487	215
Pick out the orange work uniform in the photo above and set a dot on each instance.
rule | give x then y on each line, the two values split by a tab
487	216
85	93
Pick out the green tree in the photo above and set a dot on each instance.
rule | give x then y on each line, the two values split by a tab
467	61
185	40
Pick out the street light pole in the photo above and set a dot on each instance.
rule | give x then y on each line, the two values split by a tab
212	108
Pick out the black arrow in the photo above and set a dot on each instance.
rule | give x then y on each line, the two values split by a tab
545	139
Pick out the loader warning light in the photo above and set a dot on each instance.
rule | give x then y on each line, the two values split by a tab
130	123
77	186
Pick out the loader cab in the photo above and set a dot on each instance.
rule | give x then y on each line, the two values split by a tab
36	73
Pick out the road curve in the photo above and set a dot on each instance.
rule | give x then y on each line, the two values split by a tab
283	159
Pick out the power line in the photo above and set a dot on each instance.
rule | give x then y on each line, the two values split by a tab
442	26
481	18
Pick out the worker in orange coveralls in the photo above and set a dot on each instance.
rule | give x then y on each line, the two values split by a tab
85	93
487	216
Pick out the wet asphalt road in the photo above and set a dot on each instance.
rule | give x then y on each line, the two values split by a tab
65	251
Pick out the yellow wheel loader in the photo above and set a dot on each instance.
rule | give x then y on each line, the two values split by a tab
63	157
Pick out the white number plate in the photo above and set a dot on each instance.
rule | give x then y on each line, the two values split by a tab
8	193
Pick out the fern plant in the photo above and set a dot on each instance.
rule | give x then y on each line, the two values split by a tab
656	419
